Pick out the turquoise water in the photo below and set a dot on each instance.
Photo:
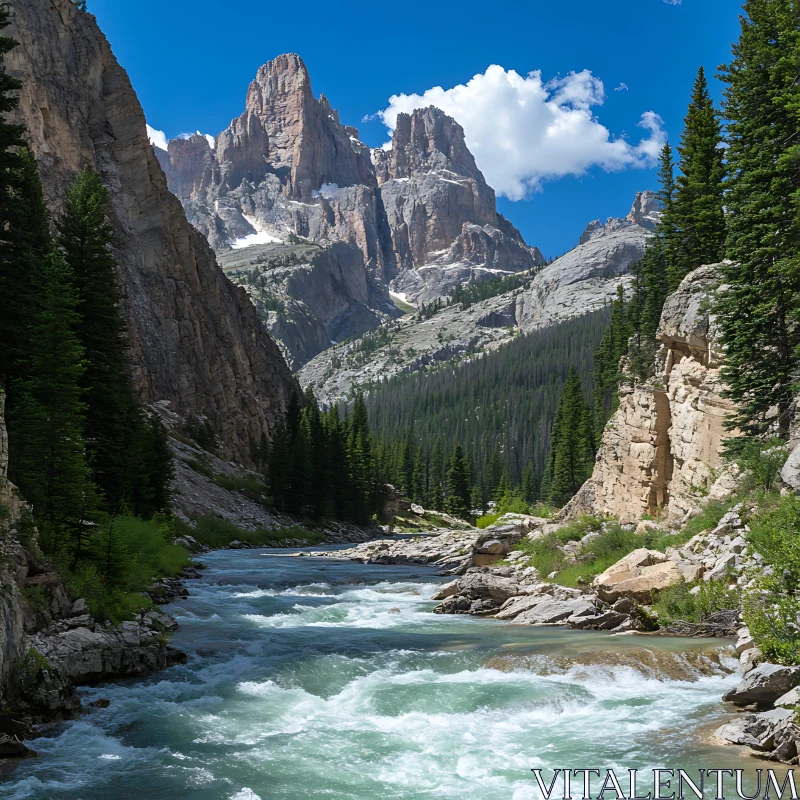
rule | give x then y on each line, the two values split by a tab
322	678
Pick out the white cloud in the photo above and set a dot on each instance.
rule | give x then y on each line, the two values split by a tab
523	131
157	138
623	87
674	2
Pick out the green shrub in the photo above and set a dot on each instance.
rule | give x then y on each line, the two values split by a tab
762	461
772	612
610	545
486	520
676	603
124	555
247	483
543	510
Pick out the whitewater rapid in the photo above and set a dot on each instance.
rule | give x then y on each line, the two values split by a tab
320	678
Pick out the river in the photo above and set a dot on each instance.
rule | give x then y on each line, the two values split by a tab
312	677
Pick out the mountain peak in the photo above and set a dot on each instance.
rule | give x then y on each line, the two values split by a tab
425	140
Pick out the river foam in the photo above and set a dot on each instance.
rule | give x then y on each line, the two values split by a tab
315	678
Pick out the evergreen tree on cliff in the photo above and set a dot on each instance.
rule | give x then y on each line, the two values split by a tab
85	238
606	376
651	273
758	314
459	492
699	206
115	426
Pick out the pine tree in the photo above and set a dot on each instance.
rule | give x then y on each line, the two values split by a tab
85	236
502	489
50	463
420	478
651	274
606	374
698	204
21	255
11	162
436	480
150	469
459	494
572	443
530	484
758	313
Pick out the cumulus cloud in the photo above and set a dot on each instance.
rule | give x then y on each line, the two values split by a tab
157	138
623	87
523	130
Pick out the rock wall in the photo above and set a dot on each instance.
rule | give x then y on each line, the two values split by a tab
661	450
195	339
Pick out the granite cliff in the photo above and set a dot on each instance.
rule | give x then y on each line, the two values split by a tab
319	228
195	339
662	449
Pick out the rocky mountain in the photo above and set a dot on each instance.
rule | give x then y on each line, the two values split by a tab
583	280
662	449
319	229
442	215
195	339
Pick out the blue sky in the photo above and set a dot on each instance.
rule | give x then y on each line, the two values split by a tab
191	62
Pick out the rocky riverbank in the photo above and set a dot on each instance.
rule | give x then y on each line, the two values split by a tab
49	644
493	579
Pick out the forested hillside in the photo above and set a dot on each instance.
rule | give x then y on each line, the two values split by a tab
500	408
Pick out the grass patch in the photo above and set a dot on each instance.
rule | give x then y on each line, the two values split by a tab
708	518
602	551
677	603
216	532
406	308
124	555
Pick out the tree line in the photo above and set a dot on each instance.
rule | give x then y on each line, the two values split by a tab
500	416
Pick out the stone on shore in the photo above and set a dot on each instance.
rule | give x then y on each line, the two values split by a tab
764	685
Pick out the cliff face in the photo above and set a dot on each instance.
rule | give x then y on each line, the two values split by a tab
442	215
661	451
195	338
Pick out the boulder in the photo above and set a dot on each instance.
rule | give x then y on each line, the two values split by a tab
790	473
78	608
640	574
749	660
447	590
790	699
549	611
744	641
764	685
483	586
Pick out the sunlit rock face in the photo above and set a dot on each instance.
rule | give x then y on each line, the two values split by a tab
662	449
